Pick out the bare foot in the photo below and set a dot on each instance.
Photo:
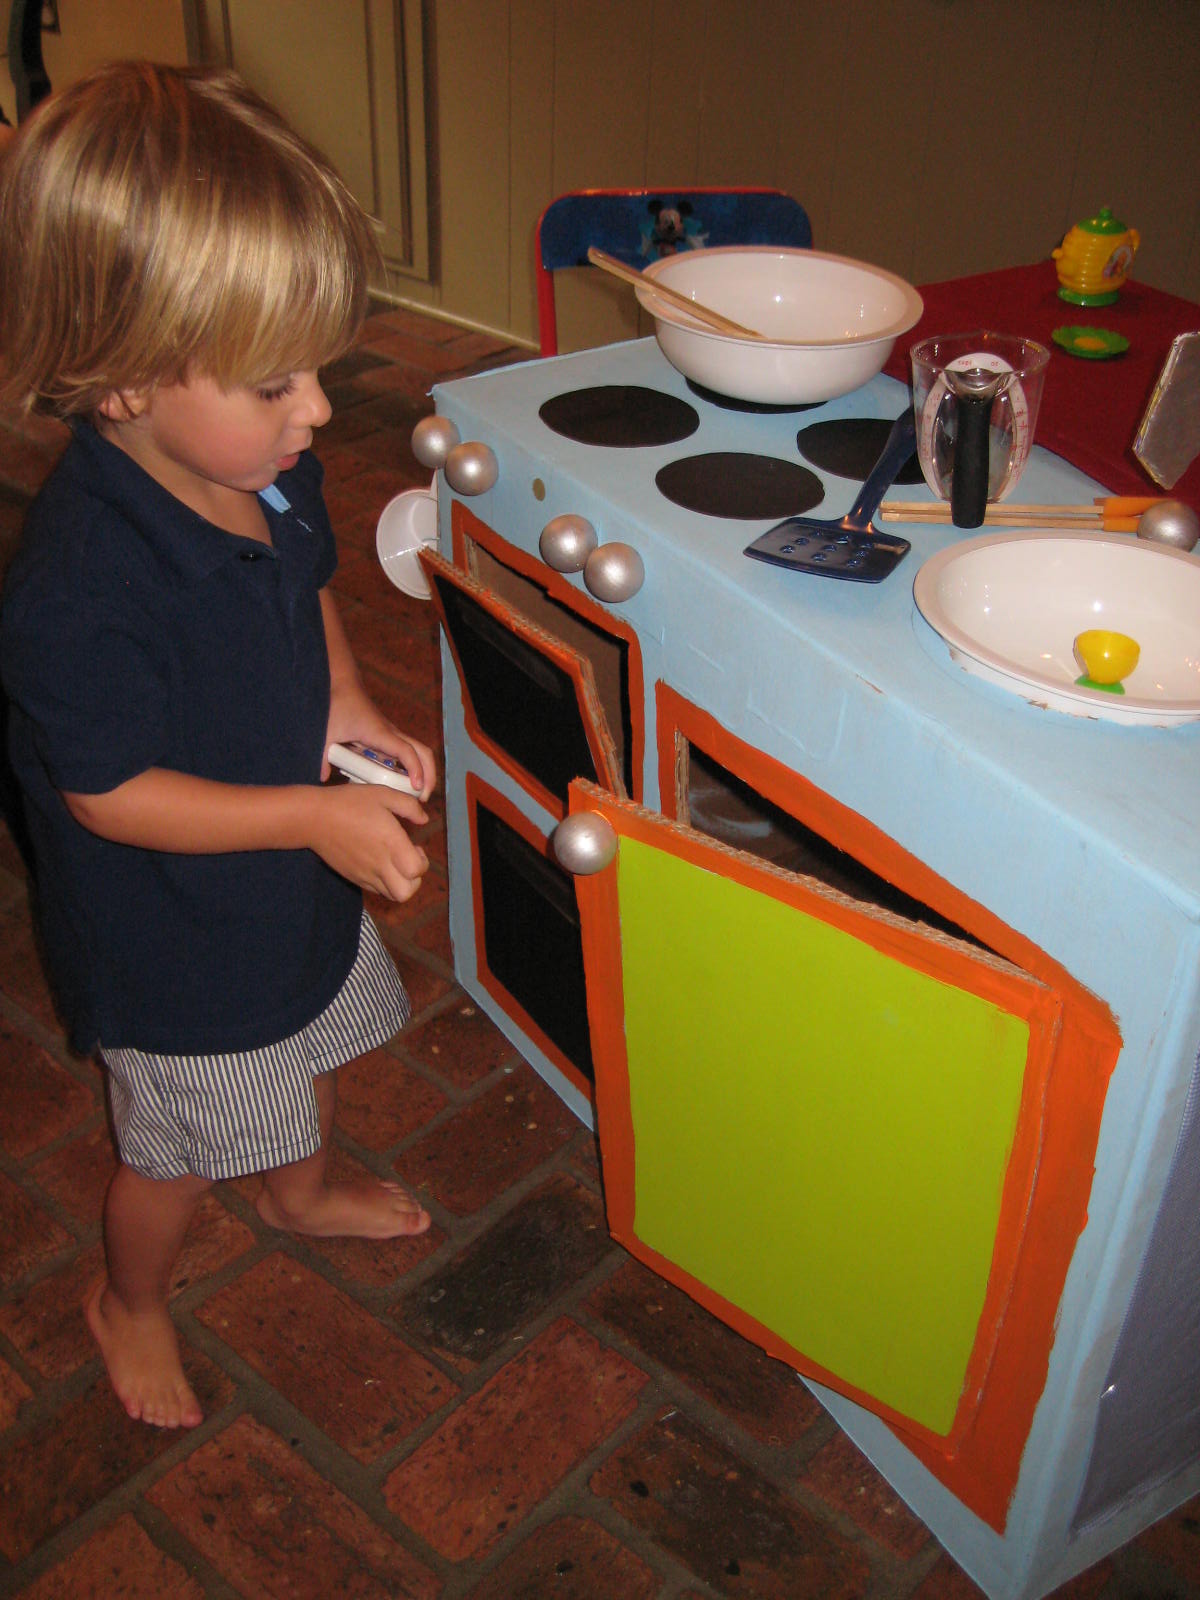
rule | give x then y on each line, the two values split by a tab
142	1356
362	1209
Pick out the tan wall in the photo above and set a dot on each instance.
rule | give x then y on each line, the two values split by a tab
935	137
117	28
93	32
96	32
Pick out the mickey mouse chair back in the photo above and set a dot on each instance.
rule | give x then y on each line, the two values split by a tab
640	225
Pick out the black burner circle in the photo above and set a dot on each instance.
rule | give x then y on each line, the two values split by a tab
728	483
763	408
620	415
850	446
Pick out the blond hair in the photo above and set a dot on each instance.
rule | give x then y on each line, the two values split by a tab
160	222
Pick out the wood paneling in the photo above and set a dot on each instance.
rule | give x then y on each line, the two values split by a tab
350	76
1138	148
475	158
340	125
533	135
935	137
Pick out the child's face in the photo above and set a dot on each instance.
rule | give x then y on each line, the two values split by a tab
198	434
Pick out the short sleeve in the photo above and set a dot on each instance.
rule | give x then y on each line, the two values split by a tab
85	679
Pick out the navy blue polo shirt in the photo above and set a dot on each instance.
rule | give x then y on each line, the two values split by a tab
135	634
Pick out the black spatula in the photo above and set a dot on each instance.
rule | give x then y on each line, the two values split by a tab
846	547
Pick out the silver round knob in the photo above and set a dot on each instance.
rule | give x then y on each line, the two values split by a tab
471	468
584	843
567	542
433	438
1170	522
614	572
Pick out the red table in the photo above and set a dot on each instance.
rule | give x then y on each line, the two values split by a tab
1090	409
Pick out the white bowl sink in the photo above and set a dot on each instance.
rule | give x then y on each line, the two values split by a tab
1011	605
828	323
407	525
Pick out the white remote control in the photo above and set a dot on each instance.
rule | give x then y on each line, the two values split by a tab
361	764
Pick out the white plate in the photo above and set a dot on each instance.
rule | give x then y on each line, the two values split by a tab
1010	605
408	524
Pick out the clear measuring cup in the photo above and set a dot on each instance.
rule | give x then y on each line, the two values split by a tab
976	398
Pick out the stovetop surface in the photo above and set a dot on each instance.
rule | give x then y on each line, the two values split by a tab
793	634
582	416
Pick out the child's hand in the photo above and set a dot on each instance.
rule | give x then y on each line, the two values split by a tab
354	716
357	829
425	760
376	731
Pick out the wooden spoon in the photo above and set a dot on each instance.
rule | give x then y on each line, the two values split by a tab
711	319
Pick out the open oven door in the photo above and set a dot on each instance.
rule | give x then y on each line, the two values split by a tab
530	699
819	1119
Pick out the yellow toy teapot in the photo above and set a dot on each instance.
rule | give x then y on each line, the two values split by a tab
1094	259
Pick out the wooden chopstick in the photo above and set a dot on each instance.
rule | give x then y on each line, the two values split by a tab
1112	513
712	319
997	517
1114	505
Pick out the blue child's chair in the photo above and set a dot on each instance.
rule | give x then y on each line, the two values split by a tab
640	225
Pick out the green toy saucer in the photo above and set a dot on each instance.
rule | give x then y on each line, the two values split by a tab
1093	344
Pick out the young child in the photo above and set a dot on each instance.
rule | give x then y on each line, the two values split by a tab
176	267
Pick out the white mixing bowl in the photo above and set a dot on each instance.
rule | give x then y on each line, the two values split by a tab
828	323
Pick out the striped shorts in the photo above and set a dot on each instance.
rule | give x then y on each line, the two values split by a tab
223	1116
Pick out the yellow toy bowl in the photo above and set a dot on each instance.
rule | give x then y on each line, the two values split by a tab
1106	657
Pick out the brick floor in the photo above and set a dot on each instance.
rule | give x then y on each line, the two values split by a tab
506	1447
507	1408
731	1525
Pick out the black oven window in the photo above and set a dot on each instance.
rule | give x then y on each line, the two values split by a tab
531	936
524	702
607	653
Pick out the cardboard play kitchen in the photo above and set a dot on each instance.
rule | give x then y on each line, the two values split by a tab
879	976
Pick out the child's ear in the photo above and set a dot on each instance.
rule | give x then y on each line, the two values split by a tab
123	405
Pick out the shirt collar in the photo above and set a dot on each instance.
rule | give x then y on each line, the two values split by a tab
184	543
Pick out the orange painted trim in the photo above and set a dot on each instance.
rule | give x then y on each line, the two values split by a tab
479	793
438	570
464	525
984	1469
756	1332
